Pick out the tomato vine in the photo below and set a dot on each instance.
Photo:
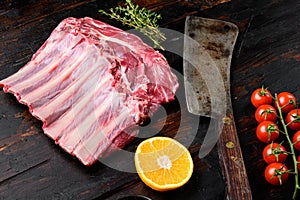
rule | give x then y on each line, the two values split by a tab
267	131
285	131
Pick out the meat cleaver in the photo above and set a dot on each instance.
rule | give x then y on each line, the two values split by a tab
208	48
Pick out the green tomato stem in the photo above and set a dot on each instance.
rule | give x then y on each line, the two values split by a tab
291	147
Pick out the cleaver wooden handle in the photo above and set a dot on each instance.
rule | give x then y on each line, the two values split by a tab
230	154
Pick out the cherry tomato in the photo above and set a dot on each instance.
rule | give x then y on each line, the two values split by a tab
261	96
265	113
274	152
298	160
292	119
276	173
267	131
286	101
296	140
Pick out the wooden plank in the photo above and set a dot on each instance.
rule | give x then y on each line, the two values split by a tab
33	167
201	186
266	55
48	171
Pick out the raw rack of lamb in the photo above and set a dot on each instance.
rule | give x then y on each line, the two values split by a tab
92	84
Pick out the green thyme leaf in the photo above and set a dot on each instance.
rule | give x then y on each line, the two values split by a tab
142	20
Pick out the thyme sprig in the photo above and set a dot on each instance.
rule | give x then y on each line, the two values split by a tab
140	19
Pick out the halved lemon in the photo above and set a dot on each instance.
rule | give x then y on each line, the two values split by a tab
163	163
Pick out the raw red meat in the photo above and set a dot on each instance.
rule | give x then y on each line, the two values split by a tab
92	84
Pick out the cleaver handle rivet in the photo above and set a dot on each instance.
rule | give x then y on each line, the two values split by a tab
226	120
234	158
230	145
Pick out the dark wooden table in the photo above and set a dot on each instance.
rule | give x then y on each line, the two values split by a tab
267	53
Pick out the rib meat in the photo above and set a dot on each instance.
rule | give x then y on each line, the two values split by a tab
91	84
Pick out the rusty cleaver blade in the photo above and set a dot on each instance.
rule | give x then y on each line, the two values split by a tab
208	48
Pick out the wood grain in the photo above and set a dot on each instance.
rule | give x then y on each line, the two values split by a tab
231	156
33	167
